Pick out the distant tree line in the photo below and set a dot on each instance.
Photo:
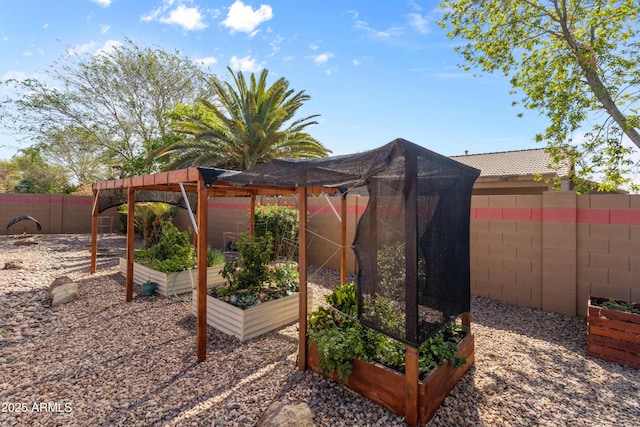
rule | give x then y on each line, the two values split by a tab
133	111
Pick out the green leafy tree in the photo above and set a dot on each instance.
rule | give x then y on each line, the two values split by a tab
40	175
116	99
78	152
572	60
248	124
9	176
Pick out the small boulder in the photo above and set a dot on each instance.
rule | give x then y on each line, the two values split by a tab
279	414
59	281
64	293
13	265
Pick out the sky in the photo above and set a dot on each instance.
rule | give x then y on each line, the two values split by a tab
375	70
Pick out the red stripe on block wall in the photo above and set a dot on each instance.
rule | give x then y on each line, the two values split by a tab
585	216
624	217
45	201
593	216
517	214
559	215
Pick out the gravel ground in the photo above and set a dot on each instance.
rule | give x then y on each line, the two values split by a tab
99	361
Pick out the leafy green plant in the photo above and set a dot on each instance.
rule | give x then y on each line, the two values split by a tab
250	269
250	277
612	304
174	252
340	338
283	224
338	335
286	276
148	220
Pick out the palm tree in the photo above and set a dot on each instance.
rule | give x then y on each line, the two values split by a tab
247	125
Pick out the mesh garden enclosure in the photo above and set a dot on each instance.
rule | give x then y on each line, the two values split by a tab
412	245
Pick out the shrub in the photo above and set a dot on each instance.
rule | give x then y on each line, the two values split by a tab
283	223
174	252
340	338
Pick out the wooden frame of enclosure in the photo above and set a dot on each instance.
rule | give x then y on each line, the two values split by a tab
192	181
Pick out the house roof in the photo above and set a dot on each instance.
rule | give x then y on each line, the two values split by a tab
510	163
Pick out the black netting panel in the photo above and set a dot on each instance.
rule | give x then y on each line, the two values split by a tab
116	197
412	245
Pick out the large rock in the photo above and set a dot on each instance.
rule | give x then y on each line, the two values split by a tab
59	281
279	414
64	293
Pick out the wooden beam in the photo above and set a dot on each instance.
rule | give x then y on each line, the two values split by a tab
201	309
302	258
343	238
466	319
252	215
94	232
411	391
131	212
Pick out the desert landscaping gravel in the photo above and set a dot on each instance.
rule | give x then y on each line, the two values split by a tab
99	361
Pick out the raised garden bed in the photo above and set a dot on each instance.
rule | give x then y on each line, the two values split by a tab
613	335
169	284
387	387
253	321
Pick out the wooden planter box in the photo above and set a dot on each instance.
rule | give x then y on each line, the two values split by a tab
613	335
178	283
253	321
386	387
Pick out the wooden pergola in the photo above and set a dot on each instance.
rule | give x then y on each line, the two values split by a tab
192	181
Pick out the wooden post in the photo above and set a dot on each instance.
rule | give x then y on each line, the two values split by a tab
131	211
343	238
411	392
302	304
94	232
252	214
466	319
201	313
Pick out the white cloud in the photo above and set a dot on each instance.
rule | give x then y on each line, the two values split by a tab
45	26
189	18
242	18
323	57
205	62
275	45
314	46
356	62
244	64
104	29
378	34
81	48
108	47
27	53
103	3
419	23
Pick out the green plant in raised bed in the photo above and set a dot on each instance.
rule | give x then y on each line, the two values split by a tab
251	279
611	304
174	252
283	223
340	338
338	335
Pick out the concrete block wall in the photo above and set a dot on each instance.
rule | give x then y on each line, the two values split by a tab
56	213
506	249
553	251
608	248
549	251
